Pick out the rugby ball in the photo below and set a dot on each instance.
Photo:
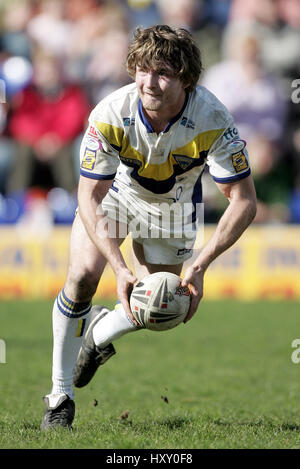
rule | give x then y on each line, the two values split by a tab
159	302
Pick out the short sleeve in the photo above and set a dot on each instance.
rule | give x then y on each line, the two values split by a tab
228	159
98	159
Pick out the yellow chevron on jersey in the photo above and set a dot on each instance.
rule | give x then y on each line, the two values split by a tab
114	135
202	142
131	157
182	156
130	151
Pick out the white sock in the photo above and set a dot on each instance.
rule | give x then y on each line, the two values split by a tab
114	325
69	323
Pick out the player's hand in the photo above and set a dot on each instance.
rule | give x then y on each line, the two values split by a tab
194	281
125	281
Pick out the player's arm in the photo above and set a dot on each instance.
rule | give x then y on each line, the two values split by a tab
234	221
90	195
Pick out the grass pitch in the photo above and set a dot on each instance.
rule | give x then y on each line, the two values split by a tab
223	380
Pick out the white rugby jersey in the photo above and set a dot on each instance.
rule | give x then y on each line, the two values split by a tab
120	144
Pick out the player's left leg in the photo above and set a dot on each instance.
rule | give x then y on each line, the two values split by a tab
70	316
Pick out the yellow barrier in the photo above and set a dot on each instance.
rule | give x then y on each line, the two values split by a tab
264	263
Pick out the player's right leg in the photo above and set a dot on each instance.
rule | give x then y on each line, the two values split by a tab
70	319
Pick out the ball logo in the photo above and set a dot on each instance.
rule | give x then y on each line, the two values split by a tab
182	291
159	302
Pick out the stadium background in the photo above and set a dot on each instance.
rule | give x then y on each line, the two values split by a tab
58	58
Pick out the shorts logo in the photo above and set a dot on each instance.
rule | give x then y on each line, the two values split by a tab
183	251
182	291
89	159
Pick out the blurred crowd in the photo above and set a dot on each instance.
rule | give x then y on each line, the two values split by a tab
58	58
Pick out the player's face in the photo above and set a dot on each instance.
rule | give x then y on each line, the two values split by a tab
159	90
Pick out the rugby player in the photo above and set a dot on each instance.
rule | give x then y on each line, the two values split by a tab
146	143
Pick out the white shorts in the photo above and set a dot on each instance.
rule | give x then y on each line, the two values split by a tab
153	225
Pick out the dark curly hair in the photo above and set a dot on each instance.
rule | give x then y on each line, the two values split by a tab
155	47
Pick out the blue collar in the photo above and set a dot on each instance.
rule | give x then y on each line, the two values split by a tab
172	121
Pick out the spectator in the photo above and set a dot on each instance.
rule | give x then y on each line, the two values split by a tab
142	13
182	13
197	17
45	119
6	149
289	11
41	26
89	47
278	22
252	95
15	17
89	23
257	103
217	12
106	72
293	149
